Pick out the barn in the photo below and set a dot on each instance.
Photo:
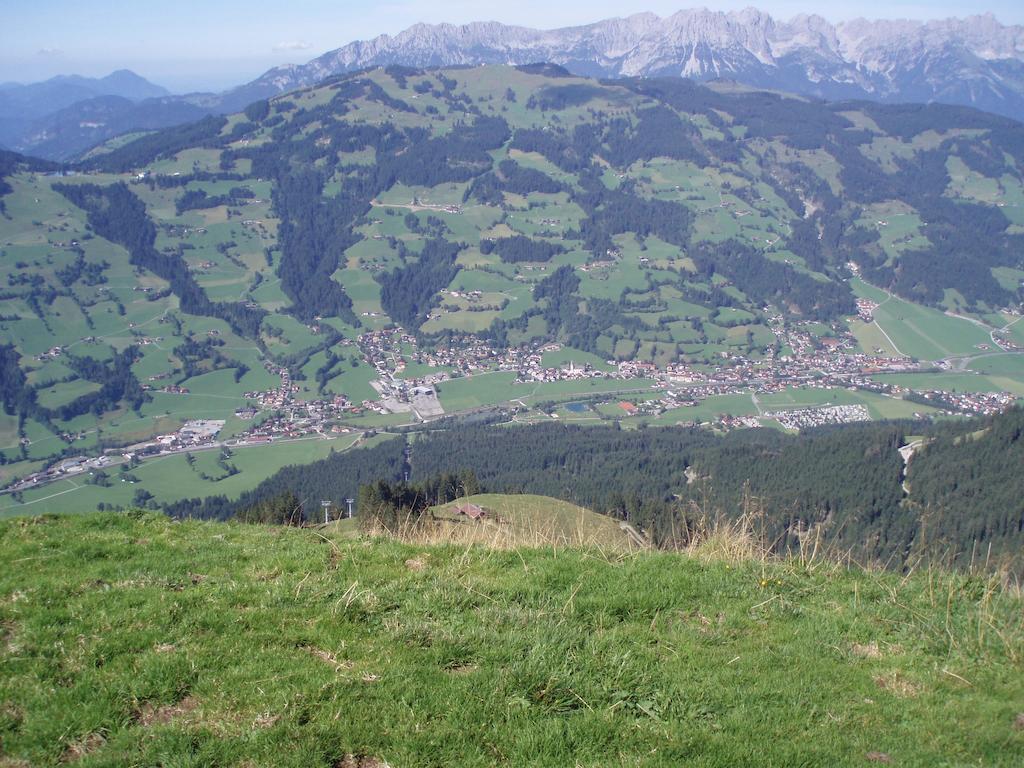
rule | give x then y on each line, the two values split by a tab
472	511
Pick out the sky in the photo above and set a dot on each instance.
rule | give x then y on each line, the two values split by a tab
190	45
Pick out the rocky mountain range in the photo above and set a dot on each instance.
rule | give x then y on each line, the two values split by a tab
974	61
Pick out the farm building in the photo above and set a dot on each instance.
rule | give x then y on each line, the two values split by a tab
472	511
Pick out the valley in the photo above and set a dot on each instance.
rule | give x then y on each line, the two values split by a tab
403	246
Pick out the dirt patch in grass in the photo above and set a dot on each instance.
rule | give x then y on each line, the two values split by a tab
898	685
461	668
265	720
8	642
11	717
416	563
704	624
329	658
359	761
878	757
83	747
1018	722
873	650
149	714
866	650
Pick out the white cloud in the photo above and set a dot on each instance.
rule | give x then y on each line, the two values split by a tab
49	52
294	45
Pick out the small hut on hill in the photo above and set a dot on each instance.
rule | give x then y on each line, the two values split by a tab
472	511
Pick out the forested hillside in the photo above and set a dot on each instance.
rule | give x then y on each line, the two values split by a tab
812	168
839	486
841	490
968	487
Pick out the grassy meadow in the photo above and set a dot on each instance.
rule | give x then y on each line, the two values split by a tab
132	639
922	332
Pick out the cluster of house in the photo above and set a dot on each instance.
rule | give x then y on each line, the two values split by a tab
597	266
530	367
866	310
277	397
296	421
64	468
804	418
390	351
977	403
1005	342
728	422
170	389
810	361
193	435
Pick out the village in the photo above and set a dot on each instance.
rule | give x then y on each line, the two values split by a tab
811	362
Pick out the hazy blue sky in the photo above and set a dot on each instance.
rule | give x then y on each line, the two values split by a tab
213	44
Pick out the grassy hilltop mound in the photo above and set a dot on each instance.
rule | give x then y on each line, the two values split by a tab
135	640
512	520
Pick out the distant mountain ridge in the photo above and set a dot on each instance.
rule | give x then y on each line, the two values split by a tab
64	115
38	99
974	61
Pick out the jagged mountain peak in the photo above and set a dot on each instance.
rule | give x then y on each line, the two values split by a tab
882	59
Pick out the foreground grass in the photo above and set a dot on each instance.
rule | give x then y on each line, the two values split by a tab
133	640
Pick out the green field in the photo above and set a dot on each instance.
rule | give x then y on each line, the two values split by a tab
170	478
709	409
136	640
871	339
482	389
952	382
64	393
1009	365
807	397
922	332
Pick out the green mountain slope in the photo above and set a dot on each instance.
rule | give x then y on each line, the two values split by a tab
135	640
178	275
